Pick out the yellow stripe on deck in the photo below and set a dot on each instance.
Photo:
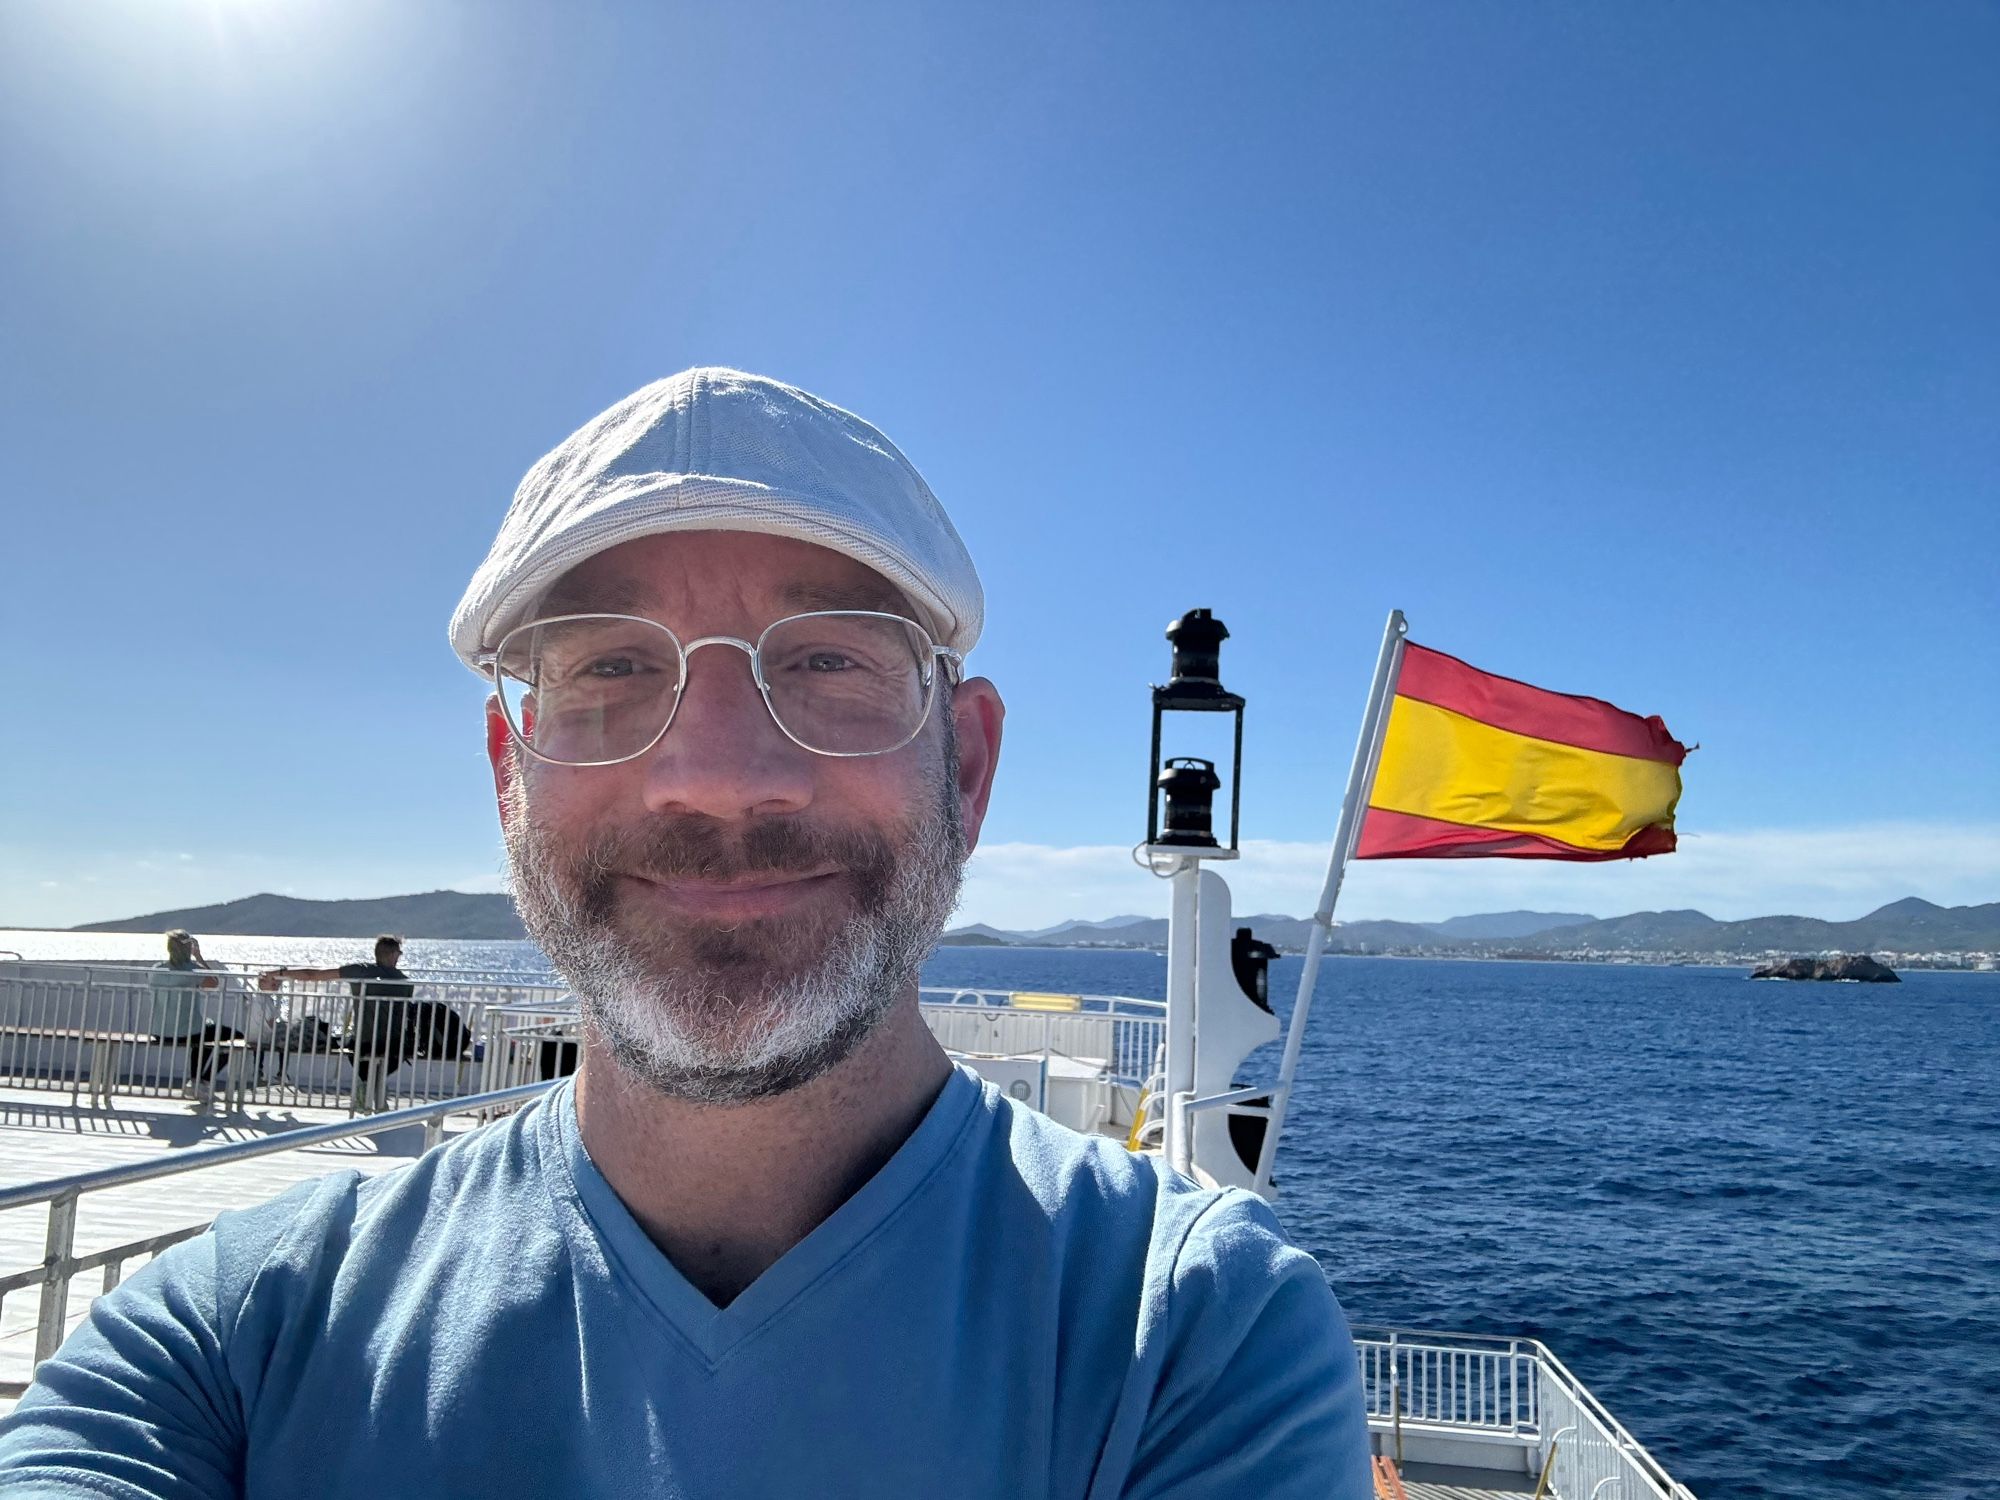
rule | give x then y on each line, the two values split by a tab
1030	1000
1440	764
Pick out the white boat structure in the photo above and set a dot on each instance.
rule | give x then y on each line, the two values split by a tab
108	1160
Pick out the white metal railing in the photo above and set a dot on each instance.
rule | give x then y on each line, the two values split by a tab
61	1265
1488	1386
334	1043
1602	1461
1121	1034
529	1040
1479	1386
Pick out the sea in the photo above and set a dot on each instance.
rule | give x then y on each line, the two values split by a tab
1760	1220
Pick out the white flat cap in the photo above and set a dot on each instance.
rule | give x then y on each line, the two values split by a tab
718	450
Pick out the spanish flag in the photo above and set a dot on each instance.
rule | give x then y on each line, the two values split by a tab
1478	766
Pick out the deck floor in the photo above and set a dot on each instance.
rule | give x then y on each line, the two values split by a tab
43	1136
1450	1482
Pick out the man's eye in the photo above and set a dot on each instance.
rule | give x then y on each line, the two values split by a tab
611	666
829	661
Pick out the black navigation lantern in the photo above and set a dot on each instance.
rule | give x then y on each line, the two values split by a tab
1188	783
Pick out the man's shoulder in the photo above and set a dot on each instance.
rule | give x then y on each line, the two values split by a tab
1217	1331
471	1187
1094	1187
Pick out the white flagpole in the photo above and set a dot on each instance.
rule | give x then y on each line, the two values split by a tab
1360	781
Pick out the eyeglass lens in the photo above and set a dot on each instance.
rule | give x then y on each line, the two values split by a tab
598	688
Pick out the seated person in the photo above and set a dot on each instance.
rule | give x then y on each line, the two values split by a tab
179	1015
380	1035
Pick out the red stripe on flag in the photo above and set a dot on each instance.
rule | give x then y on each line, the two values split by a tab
1588	723
1395	835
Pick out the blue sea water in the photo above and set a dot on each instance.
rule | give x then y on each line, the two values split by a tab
1760	1221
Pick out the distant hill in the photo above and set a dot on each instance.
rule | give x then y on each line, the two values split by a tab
433	914
1289	933
1655	931
1121	932
1508	924
1380	937
1110	929
1907	926
980	932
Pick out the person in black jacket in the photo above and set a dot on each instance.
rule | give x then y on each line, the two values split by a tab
381	1012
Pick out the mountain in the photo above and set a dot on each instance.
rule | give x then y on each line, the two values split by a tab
1289	933
1907	926
433	914
1508	924
979	934
1649	931
1108	928
1122	932
1379	937
1293	933
1943	927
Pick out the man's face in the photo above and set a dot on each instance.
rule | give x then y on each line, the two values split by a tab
735	912
388	955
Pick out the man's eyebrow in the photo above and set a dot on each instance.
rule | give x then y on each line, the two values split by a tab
616	596
881	596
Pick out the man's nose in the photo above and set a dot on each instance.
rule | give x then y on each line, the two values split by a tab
723	755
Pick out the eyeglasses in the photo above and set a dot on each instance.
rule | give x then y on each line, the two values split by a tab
594	690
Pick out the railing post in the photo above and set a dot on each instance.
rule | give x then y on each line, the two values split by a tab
1514	1384
433	1131
1396	1412
1395	1397
55	1273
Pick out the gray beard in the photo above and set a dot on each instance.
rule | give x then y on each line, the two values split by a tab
720	1014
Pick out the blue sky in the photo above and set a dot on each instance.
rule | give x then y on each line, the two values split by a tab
1644	351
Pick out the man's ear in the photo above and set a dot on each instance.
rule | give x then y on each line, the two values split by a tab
977	715
500	752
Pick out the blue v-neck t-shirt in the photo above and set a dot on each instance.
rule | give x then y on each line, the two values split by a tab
1007	1308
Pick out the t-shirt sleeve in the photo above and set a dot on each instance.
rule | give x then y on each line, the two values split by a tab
137	1403
1260	1388
357	971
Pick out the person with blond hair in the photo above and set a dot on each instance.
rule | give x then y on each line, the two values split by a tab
180	1016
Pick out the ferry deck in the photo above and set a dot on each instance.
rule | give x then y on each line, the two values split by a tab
105	1160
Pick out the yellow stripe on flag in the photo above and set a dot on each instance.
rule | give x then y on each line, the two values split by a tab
1440	764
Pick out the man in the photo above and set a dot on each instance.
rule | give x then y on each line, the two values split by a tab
769	1241
180	1018
381	1030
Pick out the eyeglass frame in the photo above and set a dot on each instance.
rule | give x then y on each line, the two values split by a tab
954	660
